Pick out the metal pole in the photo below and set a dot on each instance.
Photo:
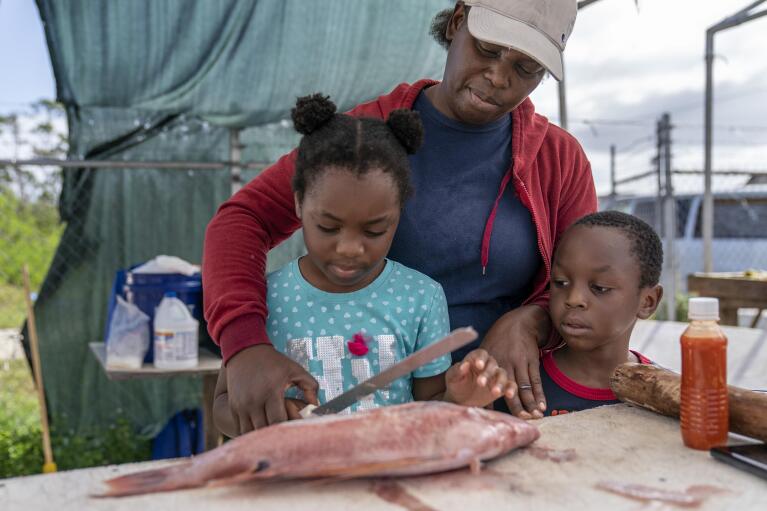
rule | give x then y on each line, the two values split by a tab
742	16
670	220
659	199
562	104
708	198
561	84
612	170
562	99
117	164
235	157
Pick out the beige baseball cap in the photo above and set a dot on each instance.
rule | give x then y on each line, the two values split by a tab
537	28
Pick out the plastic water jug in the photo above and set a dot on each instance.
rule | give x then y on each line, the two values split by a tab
175	334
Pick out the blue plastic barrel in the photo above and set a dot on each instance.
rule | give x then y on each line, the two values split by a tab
146	290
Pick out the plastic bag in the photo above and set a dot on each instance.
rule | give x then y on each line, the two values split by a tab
168	264
128	339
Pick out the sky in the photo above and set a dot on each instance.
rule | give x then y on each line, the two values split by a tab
625	67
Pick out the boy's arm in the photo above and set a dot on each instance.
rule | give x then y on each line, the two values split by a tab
475	381
431	388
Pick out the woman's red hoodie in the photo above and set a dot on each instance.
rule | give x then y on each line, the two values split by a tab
549	172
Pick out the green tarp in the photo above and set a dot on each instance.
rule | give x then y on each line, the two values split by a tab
146	80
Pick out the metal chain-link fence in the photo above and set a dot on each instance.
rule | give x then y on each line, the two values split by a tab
740	223
66	212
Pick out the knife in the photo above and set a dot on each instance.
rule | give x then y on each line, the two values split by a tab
454	340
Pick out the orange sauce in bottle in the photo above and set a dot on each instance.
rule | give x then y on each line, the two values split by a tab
704	414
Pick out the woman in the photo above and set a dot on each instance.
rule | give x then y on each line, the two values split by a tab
496	185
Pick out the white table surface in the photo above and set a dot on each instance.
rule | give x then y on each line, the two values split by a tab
613	443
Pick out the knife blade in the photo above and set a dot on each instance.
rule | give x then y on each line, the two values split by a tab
451	342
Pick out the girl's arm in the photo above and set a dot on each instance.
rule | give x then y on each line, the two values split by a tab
431	388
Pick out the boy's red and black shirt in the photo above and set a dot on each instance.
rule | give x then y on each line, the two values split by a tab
565	395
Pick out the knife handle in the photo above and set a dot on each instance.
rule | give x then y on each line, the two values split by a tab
306	411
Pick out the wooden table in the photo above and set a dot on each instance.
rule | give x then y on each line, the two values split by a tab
734	291
610	444
208	366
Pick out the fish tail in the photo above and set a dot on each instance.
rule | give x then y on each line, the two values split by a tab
151	481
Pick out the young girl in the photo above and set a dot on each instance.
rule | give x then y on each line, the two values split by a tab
343	311
604	277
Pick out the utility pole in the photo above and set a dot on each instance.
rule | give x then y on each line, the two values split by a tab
742	16
669	214
657	161
561	84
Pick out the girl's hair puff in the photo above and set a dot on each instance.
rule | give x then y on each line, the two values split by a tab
355	144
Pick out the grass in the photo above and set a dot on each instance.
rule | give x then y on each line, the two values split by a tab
12	307
681	308
21	450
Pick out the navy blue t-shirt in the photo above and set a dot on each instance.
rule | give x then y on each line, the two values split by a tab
565	395
457	174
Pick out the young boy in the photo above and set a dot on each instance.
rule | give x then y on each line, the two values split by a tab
605	275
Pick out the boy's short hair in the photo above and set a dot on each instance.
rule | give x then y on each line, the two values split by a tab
645	243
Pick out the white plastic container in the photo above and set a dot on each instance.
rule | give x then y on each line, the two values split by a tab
175	335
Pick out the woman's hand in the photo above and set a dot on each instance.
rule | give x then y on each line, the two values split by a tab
514	341
476	381
256	380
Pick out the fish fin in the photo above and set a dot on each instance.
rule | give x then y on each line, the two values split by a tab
177	477
148	481
475	465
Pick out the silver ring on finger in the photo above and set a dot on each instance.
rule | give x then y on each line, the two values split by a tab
525	387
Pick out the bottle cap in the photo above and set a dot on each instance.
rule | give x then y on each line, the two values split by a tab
170	294
703	309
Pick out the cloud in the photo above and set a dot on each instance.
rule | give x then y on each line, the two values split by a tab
628	68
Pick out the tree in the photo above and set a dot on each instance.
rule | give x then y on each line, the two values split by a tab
37	133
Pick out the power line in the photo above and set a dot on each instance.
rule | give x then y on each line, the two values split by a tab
632	146
721	99
615	122
726	127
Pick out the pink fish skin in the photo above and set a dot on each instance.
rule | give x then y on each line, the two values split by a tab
416	438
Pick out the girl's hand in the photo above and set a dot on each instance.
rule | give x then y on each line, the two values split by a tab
477	381
293	408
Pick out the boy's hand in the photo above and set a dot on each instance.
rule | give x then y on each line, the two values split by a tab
477	380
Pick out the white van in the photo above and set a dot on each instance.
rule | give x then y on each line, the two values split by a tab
740	229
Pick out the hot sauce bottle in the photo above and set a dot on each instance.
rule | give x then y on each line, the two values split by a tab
703	412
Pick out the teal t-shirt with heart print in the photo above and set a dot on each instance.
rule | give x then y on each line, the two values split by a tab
400	312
